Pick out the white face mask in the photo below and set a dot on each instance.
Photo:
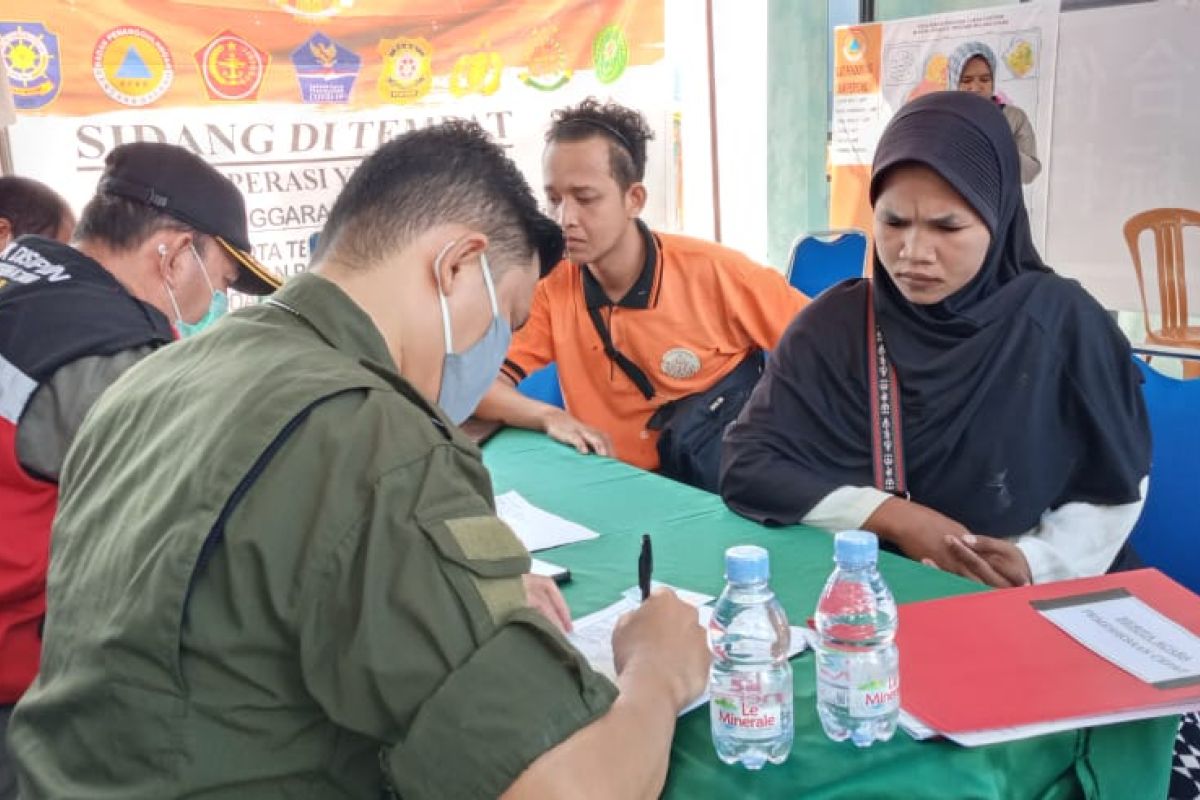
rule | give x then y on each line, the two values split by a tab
467	376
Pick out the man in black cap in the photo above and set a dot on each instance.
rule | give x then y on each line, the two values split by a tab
151	259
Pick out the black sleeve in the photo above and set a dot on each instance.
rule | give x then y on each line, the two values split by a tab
805	431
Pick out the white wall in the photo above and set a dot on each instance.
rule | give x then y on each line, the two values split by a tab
1126	139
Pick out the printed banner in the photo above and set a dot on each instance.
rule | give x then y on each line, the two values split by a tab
287	96
879	67
91	58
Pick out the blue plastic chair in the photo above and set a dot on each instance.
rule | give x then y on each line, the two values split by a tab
1167	535
543	385
821	259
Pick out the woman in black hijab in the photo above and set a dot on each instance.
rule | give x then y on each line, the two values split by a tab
1022	433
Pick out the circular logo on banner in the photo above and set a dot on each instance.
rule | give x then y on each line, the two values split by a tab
679	362
610	54
854	46
232	68
132	65
30	55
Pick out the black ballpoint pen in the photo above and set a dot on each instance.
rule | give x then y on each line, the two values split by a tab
645	566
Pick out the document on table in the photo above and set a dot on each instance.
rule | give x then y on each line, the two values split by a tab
1129	633
593	633
536	528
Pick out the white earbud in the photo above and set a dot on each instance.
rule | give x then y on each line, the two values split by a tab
162	249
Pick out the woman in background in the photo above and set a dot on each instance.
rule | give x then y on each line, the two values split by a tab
972	68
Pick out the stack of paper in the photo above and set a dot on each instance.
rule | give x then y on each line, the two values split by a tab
1017	663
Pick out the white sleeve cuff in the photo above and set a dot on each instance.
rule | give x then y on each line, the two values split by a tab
1078	540
845	508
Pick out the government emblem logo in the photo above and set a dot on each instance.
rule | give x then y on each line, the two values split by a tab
232	68
407	74
31	58
313	10
547	68
325	69
132	65
854	46
476	73
610	54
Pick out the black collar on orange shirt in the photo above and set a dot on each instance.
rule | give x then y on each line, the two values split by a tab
639	294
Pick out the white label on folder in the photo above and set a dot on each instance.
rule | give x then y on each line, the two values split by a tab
1124	630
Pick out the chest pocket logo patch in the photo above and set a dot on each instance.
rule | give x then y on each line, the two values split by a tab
679	362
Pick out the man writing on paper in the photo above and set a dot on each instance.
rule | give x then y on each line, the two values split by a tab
277	571
686	313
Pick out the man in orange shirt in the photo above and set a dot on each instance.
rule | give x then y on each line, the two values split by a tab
685	312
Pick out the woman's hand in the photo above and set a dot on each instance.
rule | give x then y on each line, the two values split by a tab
1002	555
935	540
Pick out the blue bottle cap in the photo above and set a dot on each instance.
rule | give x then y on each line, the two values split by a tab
747	563
855	549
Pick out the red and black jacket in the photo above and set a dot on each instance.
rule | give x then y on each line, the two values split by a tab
56	306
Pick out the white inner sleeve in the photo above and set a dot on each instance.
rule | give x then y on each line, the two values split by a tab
1078	540
845	508
1075	540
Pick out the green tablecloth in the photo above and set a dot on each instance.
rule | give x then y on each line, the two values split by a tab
691	531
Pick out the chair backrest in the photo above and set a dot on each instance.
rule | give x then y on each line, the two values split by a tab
823	258
1167	225
1167	535
543	385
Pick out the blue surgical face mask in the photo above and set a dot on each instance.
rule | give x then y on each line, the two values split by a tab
467	376
217	306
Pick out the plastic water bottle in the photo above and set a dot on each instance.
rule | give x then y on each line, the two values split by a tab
858	666
751	679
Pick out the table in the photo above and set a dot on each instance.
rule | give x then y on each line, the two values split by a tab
691	530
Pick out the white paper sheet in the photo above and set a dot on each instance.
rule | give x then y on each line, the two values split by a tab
536	528
545	568
593	633
1135	637
920	731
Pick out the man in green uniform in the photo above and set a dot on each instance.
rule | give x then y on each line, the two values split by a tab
276	569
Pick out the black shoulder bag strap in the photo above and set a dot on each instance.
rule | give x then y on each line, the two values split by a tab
620	359
887	445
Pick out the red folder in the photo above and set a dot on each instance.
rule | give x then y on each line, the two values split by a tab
990	660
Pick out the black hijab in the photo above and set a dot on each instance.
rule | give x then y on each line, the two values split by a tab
1018	393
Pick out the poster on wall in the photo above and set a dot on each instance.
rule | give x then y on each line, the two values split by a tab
287	96
878	67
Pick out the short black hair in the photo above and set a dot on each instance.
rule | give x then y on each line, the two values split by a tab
31	206
450	172
625	129
124	224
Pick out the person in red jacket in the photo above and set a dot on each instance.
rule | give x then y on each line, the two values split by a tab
151	259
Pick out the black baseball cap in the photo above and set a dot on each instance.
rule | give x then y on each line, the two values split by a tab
180	184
